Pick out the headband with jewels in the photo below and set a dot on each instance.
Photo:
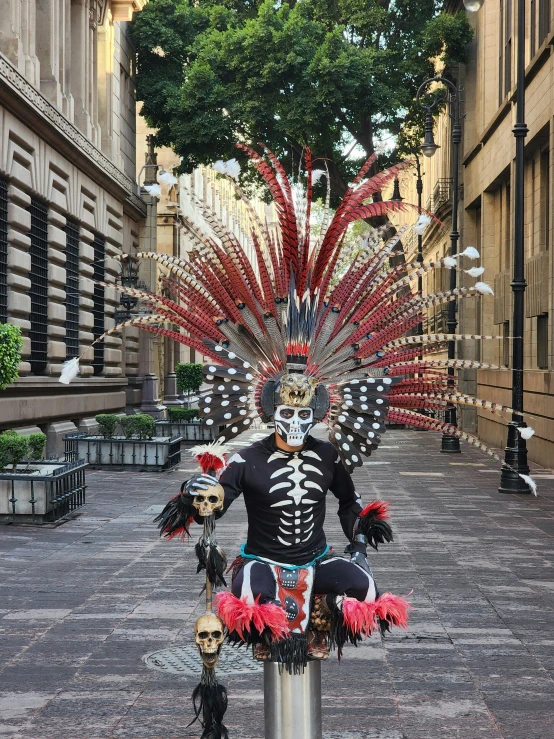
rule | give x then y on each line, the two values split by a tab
311	317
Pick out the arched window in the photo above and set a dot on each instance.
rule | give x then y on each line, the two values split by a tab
98	300
39	287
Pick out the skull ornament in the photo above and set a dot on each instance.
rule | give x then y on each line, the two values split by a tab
207	502
208	635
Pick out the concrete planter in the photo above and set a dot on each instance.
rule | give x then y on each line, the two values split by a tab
46	492
192	432
151	455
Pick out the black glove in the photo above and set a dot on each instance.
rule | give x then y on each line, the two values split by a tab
197	482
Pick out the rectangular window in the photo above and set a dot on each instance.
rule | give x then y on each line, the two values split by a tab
39	287
72	290
508	48
3	251
533	29
507	225
98	301
544	20
545	199
500	51
542	341
506	343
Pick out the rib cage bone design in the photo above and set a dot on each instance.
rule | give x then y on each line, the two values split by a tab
296	527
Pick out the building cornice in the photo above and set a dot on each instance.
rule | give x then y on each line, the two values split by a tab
33	109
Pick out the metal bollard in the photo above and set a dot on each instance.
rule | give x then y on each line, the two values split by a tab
292	703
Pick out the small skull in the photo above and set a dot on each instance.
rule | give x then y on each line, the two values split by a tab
207	502
208	635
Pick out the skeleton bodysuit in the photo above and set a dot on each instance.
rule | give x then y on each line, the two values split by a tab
285	496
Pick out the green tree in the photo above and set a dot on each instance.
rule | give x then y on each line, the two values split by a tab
11	344
337	75
189	377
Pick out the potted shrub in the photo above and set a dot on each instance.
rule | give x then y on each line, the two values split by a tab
35	490
11	344
189	378
125	442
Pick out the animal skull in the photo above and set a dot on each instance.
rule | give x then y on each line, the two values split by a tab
207	502
208	635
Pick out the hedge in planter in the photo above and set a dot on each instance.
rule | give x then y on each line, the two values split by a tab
46	493
11	344
177	415
107	424
140	425
14	448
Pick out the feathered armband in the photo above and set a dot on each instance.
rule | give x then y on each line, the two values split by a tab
373	525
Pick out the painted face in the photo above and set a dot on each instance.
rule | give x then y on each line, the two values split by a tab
293	424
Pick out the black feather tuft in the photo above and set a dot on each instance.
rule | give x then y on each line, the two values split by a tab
176	517
371	524
338	634
212	559
209	699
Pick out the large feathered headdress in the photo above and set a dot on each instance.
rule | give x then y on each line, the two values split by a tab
298	309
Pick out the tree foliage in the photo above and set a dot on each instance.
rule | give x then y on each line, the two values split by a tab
189	377
331	74
11	344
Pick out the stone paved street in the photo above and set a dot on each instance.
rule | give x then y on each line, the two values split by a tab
83	603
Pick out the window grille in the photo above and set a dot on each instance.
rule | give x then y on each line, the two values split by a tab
3	251
98	301
72	290
542	341
39	287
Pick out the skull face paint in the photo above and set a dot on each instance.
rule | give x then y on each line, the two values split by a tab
293	424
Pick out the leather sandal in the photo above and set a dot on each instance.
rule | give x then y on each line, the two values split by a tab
317	647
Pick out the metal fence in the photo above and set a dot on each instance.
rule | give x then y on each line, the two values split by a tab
148	454
44	498
189	431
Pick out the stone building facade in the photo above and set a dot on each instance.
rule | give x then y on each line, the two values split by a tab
486	212
178	216
68	205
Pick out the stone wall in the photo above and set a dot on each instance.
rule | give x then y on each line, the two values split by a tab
67	127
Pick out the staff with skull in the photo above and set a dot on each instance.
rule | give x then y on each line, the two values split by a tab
202	503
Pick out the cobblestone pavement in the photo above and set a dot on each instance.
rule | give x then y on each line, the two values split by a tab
82	604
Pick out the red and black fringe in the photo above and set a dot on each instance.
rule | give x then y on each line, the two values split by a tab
177	516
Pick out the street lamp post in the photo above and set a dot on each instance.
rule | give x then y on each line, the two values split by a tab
515	454
419	258
448	92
